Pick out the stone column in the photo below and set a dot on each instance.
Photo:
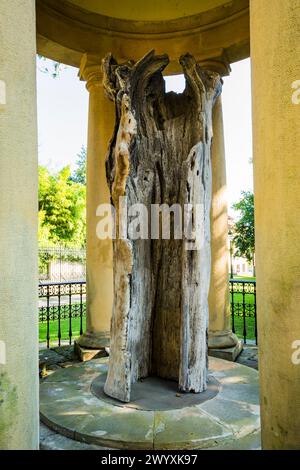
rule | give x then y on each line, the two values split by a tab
19	416
99	252
221	341
275	52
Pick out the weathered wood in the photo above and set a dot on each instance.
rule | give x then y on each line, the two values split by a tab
160	154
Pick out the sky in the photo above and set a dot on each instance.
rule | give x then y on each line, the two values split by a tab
63	116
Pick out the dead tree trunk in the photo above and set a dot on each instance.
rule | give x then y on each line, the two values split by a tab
160	154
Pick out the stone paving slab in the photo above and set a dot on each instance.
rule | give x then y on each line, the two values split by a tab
51	357
249	356
67	352
51	440
249	442
241	417
188	428
118	428
246	390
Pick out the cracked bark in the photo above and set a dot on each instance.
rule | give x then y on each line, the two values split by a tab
160	154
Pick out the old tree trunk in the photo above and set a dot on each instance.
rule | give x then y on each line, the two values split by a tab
160	154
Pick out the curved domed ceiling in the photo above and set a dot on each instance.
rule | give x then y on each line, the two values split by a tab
153	10
208	29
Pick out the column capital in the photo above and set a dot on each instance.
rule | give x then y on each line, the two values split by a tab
91	70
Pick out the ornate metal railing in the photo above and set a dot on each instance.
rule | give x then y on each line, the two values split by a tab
243	309
62	308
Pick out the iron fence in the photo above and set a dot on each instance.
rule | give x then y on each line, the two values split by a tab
243	309
62	310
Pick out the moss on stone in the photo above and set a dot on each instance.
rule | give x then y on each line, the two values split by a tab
8	407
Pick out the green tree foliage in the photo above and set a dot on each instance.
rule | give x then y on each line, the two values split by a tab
79	175
50	67
243	234
62	208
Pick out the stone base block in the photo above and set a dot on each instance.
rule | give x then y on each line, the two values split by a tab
85	354
221	339
94	340
229	354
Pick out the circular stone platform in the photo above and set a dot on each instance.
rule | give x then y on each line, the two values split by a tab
158	417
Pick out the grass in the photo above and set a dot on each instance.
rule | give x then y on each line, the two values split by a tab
238	297
246	278
64	322
239	327
64	328
238	319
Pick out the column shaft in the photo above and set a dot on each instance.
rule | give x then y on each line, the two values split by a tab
275	52
99	252
19	416
220	334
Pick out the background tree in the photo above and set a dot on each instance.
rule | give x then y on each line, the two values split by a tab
79	175
62	208
243	231
49	66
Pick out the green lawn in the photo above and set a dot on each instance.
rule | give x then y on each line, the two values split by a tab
238	320
64	326
238	297
244	277
239	327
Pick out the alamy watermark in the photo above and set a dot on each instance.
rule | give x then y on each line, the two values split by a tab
156	221
2	353
296	93
295	358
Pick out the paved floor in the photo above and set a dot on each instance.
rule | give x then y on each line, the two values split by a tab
60	358
53	358
249	356
228	412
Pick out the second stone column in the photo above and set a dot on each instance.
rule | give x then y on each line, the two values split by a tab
221	341
99	252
